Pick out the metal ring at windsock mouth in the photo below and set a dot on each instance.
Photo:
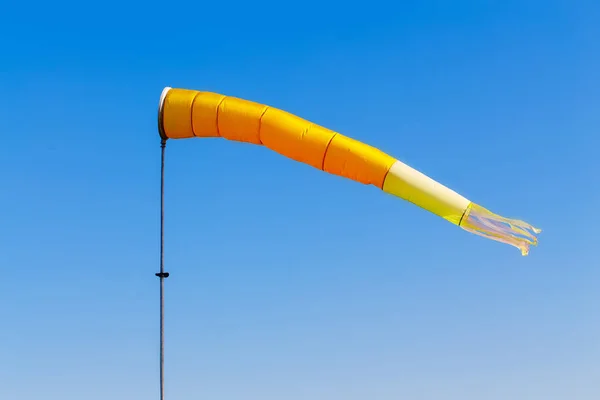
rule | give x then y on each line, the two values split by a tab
161	128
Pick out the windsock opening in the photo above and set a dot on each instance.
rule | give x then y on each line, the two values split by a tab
483	222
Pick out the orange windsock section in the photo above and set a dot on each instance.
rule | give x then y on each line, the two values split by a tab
189	113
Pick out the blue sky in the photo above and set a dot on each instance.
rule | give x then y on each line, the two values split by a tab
288	283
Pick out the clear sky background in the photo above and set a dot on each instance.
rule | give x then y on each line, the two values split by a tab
289	283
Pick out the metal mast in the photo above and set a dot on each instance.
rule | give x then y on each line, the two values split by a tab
162	274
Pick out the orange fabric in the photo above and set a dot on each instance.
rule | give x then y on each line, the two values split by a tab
239	120
189	113
295	137
357	161
204	114
177	113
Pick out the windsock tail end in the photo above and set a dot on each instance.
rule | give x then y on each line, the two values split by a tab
514	232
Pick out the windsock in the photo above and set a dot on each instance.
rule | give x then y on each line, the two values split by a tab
187	114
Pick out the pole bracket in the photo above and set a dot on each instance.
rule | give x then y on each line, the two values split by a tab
162	274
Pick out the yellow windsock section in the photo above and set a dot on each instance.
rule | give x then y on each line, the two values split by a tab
189	113
416	187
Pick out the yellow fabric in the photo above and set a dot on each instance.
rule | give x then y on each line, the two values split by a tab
190	113
411	185
429	201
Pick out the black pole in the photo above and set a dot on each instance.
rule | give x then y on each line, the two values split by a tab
162	274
